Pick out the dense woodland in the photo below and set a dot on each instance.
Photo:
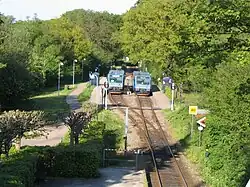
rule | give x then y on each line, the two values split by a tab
204	44
32	50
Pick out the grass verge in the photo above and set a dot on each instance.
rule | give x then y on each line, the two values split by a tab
86	94
180	122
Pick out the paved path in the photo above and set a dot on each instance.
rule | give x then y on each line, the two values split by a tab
72	100
110	177
96	94
57	132
160	100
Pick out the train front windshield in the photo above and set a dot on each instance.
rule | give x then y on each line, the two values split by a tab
143	80
116	79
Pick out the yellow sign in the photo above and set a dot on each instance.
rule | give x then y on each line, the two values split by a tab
193	110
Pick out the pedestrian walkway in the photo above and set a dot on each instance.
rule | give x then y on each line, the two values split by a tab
110	177
96	95
72	100
160	100
58	131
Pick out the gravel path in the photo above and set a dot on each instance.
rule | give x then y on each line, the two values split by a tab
57	132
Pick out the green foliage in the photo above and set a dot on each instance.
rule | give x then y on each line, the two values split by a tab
77	122
185	39
15	82
180	120
102	35
168	92
204	45
228	125
114	129
36	163
19	171
14	124
226	134
31	51
69	161
108	132
86	94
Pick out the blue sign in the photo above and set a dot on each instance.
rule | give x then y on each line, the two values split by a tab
167	81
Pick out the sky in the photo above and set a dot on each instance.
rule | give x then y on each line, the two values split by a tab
49	9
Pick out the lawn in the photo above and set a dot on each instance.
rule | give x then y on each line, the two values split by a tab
179	118
53	105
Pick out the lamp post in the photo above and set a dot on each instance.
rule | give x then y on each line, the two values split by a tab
59	78
82	68
97	84
74	72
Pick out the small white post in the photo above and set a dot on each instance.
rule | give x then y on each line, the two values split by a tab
106	98
172	103
200	128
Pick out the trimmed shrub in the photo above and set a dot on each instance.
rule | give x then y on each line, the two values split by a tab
19	171
69	162
36	163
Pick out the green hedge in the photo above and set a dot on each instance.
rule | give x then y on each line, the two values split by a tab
36	163
19	171
69	162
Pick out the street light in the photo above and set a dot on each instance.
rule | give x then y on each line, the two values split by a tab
82	68
74	72
59	78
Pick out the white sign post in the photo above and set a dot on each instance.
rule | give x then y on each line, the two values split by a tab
202	124
172	103
200	128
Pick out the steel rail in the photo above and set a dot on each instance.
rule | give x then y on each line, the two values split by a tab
166	143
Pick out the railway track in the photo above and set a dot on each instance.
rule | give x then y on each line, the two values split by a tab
136	118
164	170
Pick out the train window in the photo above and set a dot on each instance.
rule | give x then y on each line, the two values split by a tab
143	80
116	78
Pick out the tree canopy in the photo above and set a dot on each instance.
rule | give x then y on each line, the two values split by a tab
31	50
205	45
